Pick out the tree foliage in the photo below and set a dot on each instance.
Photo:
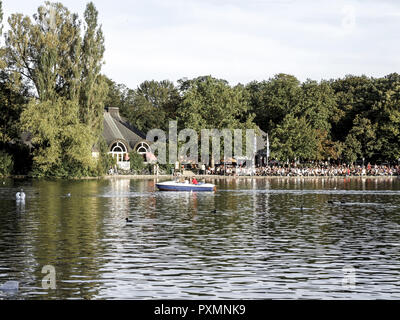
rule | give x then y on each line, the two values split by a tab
294	138
210	103
6	164
13	97
136	162
59	139
52	88
63	68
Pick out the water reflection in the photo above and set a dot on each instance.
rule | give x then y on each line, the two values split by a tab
254	238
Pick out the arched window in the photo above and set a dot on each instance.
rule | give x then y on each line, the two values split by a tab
118	151
142	148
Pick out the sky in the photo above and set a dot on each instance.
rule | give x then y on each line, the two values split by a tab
241	41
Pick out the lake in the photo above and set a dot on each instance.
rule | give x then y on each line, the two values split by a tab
279	238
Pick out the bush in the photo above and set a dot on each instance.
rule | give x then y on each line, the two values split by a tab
136	161
6	164
166	168
104	163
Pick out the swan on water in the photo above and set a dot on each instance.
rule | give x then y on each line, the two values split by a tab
20	195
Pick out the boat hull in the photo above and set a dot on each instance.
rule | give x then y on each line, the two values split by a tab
185	187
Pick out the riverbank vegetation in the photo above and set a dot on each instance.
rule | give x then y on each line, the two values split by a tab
53	93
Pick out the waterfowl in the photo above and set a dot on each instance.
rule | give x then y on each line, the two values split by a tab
214	211
20	196
128	221
336	202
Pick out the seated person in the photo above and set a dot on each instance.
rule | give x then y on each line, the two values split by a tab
194	181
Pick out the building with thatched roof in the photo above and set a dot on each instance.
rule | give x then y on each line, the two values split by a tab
122	138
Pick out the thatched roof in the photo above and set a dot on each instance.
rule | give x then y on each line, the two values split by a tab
116	128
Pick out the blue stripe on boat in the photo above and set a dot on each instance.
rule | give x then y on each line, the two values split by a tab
163	187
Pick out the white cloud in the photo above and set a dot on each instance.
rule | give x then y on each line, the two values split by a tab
243	41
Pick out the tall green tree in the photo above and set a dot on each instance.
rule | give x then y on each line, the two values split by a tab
93	84
209	103
317	104
59	137
61	67
294	139
152	105
116	94
385	115
354	95
364	132
46	51
13	98
272	100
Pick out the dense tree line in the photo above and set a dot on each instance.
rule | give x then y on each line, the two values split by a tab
52	91
340	120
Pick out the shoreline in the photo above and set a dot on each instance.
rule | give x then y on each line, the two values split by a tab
215	177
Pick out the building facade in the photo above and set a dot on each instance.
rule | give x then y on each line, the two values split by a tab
122	138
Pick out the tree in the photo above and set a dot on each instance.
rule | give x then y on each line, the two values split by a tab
136	162
272	100
209	103
47	51
59	139
354	95
93	85
327	149
6	164
2	61
116	94
151	105
385	113
51	56
317	104
294	139
352	149
12	101
364	132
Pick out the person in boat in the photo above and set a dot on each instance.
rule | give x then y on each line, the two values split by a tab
194	181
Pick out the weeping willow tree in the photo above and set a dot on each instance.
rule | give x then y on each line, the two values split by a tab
63	69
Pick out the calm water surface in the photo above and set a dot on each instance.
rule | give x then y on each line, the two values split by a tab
270	239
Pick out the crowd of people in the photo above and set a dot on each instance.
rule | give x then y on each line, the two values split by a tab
314	170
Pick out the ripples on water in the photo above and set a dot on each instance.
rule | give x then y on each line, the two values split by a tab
276	238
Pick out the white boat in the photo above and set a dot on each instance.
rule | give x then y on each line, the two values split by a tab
186	186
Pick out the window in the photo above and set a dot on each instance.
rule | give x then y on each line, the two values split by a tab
142	148
119	151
